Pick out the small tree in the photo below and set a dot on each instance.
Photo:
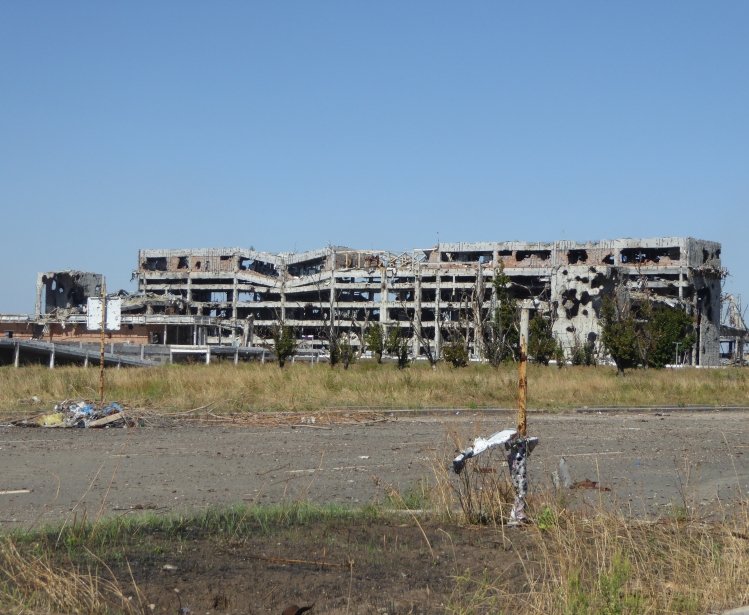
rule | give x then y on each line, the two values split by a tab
334	351
374	337
455	351
583	353
643	332
559	355
619	332
503	332
398	347
674	327
285	343
541	342
421	336
347	352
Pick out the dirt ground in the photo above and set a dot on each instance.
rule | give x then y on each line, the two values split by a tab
651	460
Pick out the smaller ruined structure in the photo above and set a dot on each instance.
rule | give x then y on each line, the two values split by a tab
65	292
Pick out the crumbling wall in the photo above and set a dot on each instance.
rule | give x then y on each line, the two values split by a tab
707	310
577	293
66	290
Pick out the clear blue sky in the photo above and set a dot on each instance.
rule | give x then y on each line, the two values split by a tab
293	125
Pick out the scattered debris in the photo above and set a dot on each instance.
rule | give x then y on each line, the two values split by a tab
14	491
561	478
80	414
589	484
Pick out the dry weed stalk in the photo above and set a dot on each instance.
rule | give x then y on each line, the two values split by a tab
590	559
35	584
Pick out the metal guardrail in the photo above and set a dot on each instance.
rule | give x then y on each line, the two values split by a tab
68	352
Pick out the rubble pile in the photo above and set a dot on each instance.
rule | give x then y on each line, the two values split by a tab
81	413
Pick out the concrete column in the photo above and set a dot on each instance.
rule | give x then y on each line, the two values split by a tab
383	296
16	354
245	333
740	350
208	356
417	313
524	319
332	298
681	285
235	291
478	341
52	358
283	293
437	331
39	293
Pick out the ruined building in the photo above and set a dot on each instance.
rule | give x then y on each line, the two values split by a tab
234	297
339	291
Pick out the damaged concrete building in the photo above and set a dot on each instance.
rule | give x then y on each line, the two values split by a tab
426	292
234	297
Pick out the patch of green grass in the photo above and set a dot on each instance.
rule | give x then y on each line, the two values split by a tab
232	522
416	497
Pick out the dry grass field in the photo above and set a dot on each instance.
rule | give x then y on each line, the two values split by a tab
303	387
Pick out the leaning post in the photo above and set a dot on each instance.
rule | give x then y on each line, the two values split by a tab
523	389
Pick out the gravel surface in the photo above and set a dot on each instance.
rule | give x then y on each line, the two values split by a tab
651	460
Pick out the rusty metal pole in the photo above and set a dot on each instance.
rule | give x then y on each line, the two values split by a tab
523	385
101	339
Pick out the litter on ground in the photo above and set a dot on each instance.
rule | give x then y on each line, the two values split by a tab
80	413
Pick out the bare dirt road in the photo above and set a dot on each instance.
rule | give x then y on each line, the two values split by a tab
650	460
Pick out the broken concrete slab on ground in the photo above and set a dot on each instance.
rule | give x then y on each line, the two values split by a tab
80	413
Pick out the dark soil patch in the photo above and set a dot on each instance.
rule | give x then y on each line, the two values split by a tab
353	567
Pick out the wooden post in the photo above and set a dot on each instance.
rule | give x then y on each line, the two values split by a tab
101	339
522	389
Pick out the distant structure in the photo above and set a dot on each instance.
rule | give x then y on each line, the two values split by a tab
234	296
425	292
